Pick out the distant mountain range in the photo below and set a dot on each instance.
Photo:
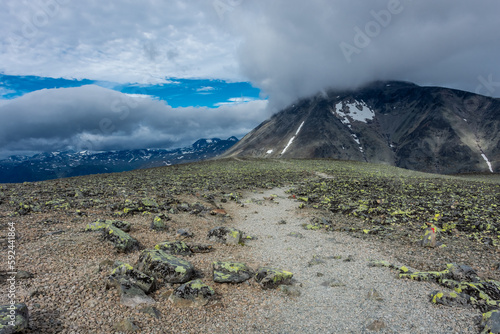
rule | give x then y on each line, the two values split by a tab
428	129
54	165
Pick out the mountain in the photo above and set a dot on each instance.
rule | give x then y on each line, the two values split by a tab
428	129
45	166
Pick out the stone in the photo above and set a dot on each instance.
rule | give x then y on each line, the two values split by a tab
290	290
226	235
460	272
174	248
151	311
184	233
164	266
218	212
122	241
126	273
149	203
231	272
449	298
374	295
191	294
126	325
13	318
158	224
21	274
269	278
333	283
429	239
491	322
296	235
201	248
132	296
315	261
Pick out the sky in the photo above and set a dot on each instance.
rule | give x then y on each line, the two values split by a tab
126	74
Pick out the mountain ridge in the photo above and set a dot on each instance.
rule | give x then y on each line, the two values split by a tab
53	165
430	129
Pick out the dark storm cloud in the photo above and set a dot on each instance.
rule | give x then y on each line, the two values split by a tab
297	48
95	118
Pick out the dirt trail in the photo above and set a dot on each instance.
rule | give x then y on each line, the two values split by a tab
332	274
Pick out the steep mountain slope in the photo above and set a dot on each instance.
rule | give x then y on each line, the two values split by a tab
428	129
55	165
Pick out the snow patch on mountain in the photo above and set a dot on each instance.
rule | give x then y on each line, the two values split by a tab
357	111
293	138
487	162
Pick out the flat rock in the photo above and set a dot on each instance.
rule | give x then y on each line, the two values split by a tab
126	325
165	266
13	318
491	322
231	272
191	294
126	273
174	248
269	278
226	235
122	241
133	296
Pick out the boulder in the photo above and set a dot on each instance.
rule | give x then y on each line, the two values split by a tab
121	240
226	235
231	272
158	224
126	273
269	278
429	239
132	296
13	318
192	294
164	266
151	311
449	298
491	322
174	248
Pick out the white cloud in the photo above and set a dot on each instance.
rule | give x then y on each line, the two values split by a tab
95	118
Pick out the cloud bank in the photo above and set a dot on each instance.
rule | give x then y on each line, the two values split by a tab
98	119
297	48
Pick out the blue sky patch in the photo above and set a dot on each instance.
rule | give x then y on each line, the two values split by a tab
176	92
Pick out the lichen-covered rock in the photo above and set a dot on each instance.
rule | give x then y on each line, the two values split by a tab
126	273
460	272
192	294
269	278
450	298
100	225
13	318
149	203
491	322
201	248
174	248
231	272
227	235
122	241
158	224
165	266
132	296
430	237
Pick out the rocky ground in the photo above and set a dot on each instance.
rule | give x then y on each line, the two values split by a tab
63	270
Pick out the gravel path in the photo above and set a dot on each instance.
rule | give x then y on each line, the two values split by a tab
343	263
